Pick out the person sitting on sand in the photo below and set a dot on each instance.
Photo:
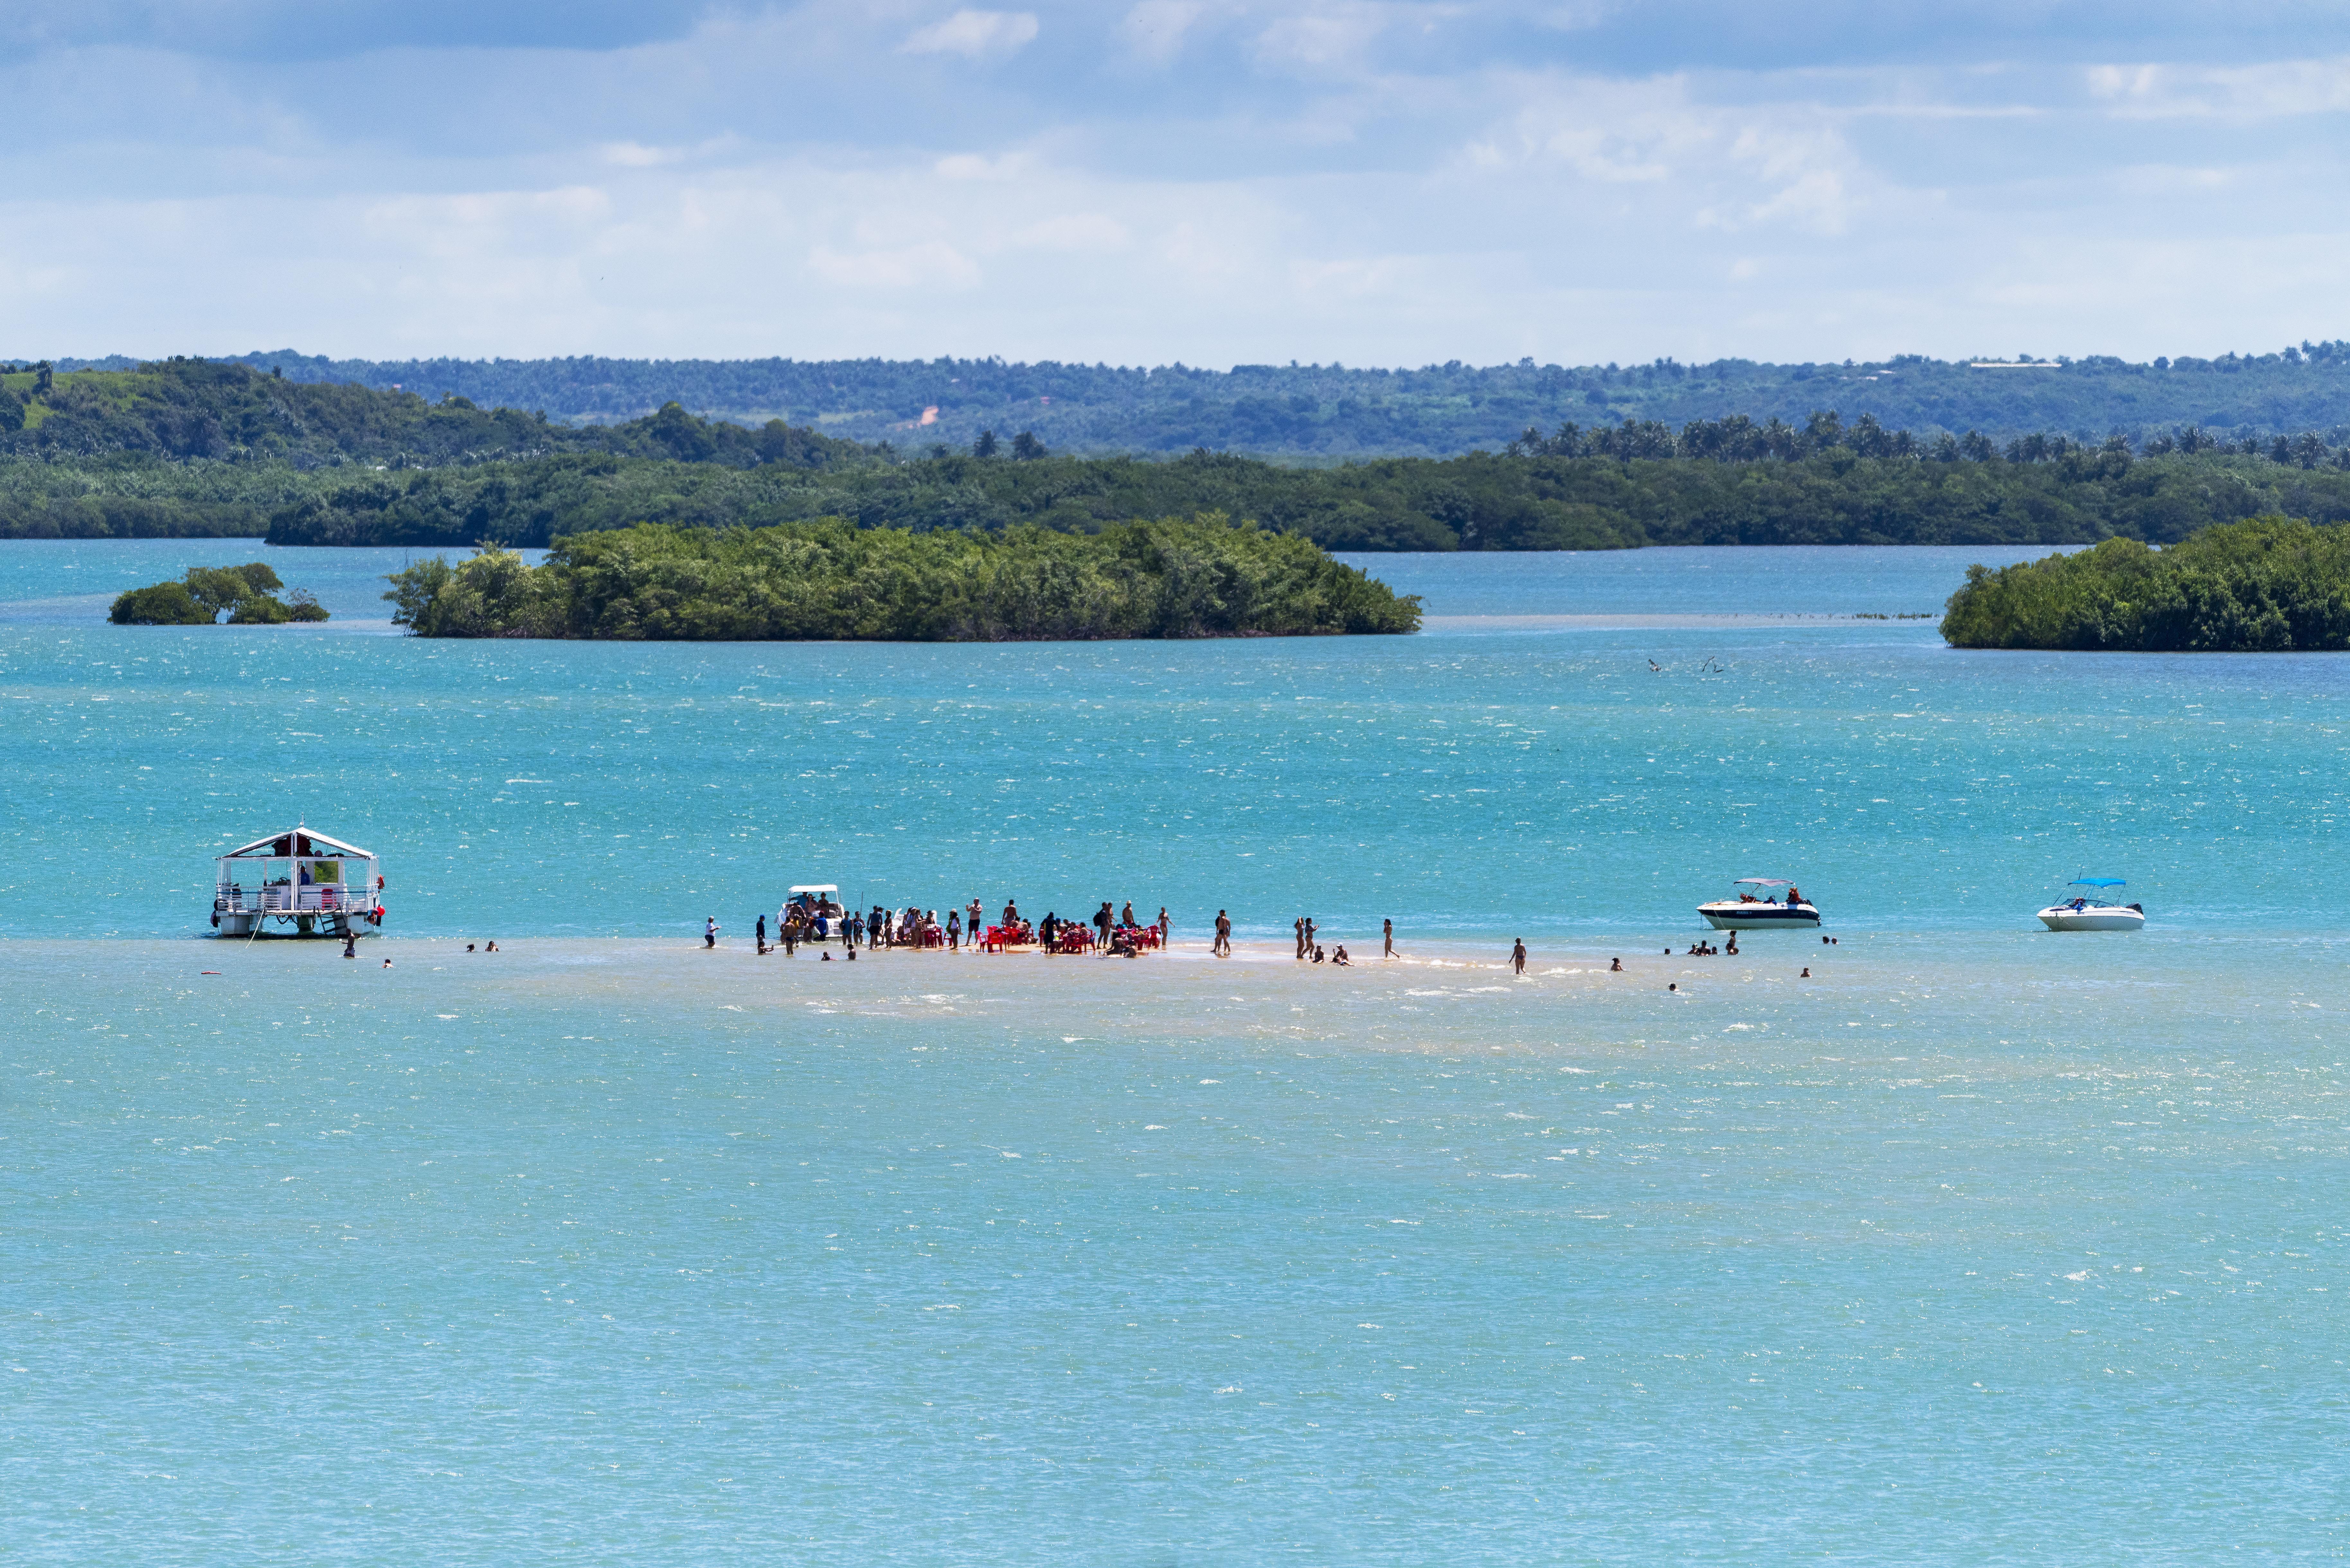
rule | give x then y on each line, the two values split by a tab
1340	957
1320	957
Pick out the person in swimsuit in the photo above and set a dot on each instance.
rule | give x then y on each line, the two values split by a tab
1518	957
1222	947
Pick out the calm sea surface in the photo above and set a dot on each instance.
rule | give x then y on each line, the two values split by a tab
1982	1244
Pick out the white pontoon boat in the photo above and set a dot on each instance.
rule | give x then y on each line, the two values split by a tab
308	883
2091	912
1764	909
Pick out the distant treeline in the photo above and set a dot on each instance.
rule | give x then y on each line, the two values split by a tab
197	410
1479	501
831	581
186	448
2267	584
1329	411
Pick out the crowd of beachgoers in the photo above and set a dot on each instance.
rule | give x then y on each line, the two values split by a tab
816	920
809	919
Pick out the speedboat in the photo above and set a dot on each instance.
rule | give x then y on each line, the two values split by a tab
1760	911
2090	912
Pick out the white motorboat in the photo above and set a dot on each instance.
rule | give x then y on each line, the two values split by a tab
2090	911
1762	910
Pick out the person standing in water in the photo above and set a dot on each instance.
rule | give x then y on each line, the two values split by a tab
1298	930
710	933
1518	957
1165	927
1387	932
1224	943
761	936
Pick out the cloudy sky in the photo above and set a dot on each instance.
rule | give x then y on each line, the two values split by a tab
1148	180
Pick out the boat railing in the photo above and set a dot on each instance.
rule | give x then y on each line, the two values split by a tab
284	900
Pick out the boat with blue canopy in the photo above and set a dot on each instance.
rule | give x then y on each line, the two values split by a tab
2094	910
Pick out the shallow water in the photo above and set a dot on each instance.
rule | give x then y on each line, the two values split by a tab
1983	1244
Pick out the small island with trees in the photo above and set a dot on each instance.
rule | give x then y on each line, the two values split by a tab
245	594
2266	585
830	580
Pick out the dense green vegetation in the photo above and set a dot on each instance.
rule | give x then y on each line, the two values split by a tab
193	409
186	448
247	593
2265	585
1329	411
831	581
1479	501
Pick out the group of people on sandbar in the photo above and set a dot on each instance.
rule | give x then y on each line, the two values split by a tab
809	919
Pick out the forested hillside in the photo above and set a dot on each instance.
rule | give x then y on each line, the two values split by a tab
187	447
1326	411
191	409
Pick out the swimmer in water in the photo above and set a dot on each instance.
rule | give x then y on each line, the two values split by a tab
1616	966
1807	975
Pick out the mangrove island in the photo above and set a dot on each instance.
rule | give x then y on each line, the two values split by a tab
2265	585
830	580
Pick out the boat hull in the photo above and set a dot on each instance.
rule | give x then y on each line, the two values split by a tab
2097	918
1730	915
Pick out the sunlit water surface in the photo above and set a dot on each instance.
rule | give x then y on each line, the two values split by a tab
1982	1243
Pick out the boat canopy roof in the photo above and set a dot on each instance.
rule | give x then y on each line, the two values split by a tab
817	887
297	842
2099	882
1761	882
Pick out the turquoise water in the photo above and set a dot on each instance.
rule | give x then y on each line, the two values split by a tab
1982	1244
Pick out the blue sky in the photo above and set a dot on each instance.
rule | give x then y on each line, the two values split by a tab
1148	180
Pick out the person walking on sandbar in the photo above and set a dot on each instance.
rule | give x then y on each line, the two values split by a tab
710	933
1518	957
1387	931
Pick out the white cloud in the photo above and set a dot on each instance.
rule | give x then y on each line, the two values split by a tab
2274	90
931	264
1325	36
1157	29
979	34
1077	231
